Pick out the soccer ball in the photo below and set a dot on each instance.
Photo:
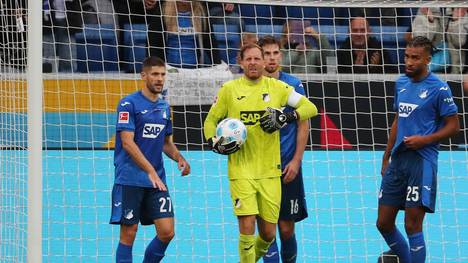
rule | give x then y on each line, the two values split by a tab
232	130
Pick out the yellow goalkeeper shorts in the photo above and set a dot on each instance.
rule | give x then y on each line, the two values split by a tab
257	197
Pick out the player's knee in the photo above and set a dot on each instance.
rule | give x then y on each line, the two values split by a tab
286	233
166	235
412	226
384	226
128	234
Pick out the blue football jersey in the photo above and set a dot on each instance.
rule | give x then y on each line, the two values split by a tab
181	47
151	123
288	133
421	108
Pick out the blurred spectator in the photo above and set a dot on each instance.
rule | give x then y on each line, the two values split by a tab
362	53
457	32
431	23
59	20
304	49
133	12
224	13
187	34
13	35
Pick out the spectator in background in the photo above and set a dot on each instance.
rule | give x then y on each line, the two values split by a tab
457	32
57	39
155	28
304	49
187	34
361	53
224	13
13	31
431	23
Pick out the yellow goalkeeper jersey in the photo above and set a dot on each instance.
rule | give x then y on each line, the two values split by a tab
259	156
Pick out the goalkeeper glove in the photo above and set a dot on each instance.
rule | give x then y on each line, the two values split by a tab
217	146
276	119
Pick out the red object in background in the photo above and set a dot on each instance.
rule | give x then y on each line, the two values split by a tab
330	135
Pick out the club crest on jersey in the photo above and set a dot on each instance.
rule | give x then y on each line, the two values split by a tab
423	93
405	109
152	130
266	97
123	117
164	114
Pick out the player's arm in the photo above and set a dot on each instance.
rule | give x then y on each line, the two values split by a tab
217	112
451	128
129	145
172	152
292	168
390	143
448	111
304	109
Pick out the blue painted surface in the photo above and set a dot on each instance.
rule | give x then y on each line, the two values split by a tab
341	190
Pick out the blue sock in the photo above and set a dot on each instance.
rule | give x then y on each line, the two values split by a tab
272	256
289	250
123	254
155	251
398	244
417	247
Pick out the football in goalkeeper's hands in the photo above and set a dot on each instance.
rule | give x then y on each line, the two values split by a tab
232	130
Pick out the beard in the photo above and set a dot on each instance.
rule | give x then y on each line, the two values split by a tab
154	89
415	73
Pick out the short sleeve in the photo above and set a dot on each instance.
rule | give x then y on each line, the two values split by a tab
299	88
446	105
125	116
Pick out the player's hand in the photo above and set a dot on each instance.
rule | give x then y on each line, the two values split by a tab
415	142
291	170
276	119
217	146
183	166
156	181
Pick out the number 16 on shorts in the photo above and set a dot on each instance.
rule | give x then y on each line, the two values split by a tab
294	206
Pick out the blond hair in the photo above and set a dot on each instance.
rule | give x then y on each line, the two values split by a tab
170	16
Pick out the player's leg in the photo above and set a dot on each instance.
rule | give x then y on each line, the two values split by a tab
421	195
269	202
293	209
392	196
414	218
126	206
288	241
158	210
266	236
244	200
246	238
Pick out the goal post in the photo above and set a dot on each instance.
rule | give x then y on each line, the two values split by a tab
34	80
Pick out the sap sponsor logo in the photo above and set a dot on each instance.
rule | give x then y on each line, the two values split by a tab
449	100
405	109
152	130
251	117
123	117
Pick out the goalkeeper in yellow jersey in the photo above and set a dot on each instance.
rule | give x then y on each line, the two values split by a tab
255	168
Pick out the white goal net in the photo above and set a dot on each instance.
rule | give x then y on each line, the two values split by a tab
92	54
